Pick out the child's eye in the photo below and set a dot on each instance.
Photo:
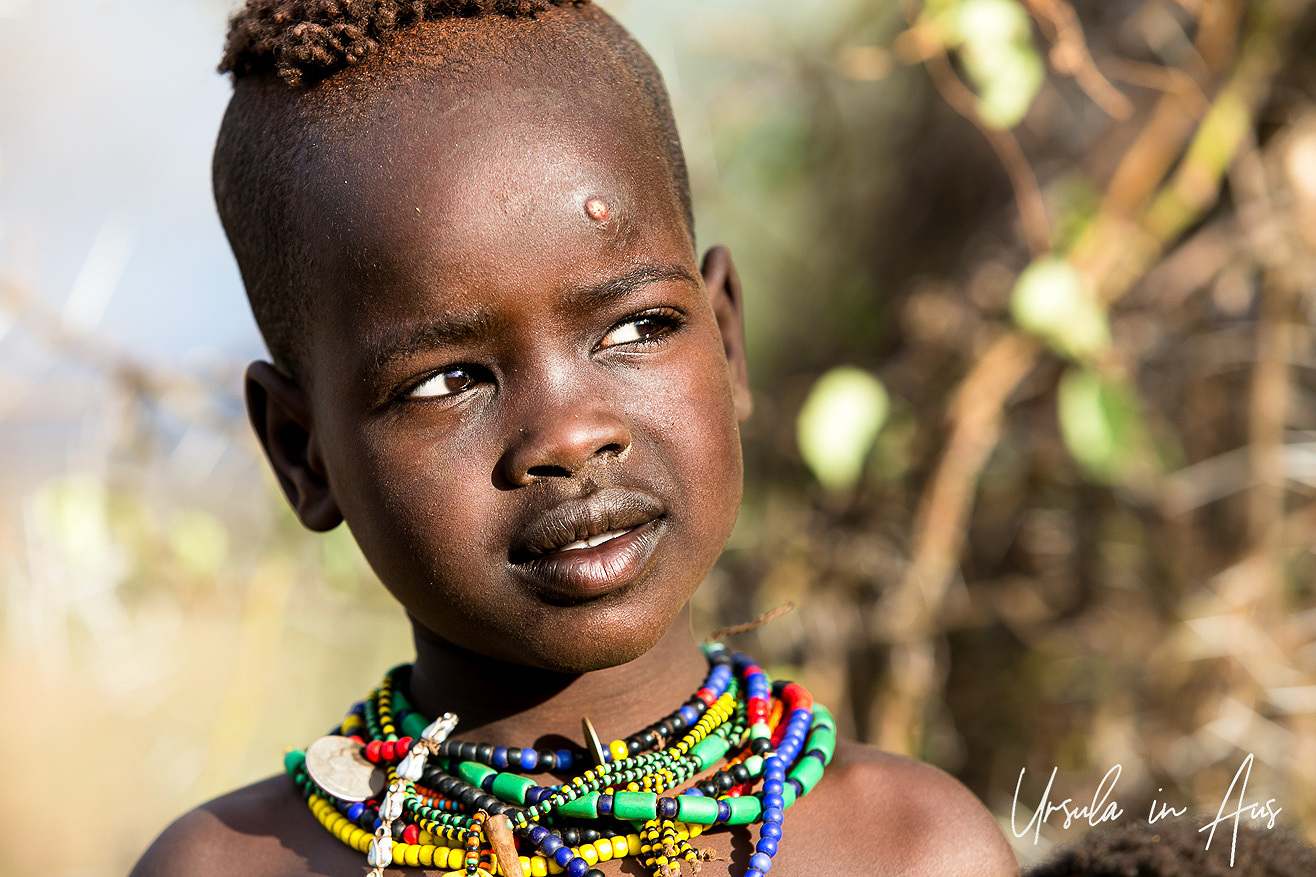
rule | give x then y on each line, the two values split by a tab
445	383
644	327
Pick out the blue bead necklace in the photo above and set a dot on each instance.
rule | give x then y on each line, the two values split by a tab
742	750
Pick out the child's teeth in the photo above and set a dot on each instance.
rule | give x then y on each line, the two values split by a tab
593	541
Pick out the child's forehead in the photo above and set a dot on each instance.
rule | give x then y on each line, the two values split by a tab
452	203
520	134
474	168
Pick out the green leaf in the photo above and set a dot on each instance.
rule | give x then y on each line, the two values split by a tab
995	41
838	424
1101	421
1007	83
987	23
1051	301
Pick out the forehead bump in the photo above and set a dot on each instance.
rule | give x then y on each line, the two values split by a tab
598	210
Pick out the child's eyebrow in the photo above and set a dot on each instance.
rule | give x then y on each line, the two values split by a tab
453	329
448	329
610	290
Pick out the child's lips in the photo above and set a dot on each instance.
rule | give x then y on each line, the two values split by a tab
588	546
586	522
582	573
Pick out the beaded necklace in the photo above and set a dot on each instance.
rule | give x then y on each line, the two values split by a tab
391	784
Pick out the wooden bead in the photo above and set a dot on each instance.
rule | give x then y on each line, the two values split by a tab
499	832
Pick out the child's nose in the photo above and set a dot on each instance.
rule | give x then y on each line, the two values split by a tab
560	438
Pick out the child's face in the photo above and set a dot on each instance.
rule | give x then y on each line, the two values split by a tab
513	350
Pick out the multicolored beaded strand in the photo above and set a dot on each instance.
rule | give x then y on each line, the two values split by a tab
440	798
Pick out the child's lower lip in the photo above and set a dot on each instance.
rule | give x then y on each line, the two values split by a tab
582	573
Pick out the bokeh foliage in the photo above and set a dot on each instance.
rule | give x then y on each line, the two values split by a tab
1084	536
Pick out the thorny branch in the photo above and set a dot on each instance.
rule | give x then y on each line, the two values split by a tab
1070	56
1028	197
1142	215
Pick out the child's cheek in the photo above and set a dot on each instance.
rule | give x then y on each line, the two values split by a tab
703	408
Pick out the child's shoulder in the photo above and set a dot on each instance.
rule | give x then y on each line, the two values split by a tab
262	829
878	813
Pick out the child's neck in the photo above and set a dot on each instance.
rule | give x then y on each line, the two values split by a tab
513	705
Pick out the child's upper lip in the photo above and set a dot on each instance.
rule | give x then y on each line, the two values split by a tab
603	511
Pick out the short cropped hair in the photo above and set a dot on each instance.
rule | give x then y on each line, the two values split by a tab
307	40
285	57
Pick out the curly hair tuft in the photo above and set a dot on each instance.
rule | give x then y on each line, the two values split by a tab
307	40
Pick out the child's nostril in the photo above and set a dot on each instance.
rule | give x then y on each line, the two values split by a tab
549	472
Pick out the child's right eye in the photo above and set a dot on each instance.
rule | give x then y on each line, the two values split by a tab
444	383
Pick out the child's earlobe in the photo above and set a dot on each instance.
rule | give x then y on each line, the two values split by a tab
281	416
724	293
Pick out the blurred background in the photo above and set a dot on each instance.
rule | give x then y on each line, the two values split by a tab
1030	293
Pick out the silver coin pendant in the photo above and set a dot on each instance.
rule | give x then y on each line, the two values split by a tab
338	766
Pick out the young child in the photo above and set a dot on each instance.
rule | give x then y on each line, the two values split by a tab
465	231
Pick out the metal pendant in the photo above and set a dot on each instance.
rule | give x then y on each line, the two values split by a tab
592	740
337	765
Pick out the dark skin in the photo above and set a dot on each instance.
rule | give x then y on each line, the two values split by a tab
486	351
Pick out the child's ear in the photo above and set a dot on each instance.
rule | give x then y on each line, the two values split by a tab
282	419
723	285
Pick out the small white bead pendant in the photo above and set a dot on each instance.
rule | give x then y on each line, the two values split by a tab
440	728
381	852
392	808
412	766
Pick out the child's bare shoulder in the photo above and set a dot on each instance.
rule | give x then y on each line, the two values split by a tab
878	813
262	829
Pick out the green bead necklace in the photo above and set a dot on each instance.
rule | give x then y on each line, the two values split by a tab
393	785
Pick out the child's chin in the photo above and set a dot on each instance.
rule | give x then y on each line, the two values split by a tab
596	653
577	640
